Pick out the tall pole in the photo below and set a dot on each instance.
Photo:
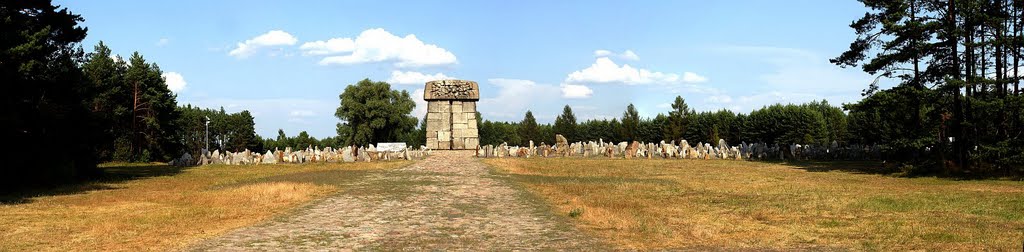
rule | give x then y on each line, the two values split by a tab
207	133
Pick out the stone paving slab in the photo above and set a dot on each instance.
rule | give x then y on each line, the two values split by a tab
449	201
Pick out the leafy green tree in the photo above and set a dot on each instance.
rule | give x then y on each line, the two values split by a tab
333	142
495	133
303	141
243	133
282	140
547	134
371	112
418	136
835	121
227	132
565	124
614	131
651	130
192	129
528	130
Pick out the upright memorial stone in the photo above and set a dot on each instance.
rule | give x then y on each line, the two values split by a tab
451	114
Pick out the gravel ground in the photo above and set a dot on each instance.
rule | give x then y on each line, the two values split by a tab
449	201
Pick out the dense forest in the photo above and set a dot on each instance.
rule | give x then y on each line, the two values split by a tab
66	110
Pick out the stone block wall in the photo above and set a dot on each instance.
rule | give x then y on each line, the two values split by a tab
451	118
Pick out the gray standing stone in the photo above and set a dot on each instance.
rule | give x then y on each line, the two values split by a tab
269	158
362	155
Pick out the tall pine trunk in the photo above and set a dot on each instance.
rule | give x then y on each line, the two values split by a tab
958	129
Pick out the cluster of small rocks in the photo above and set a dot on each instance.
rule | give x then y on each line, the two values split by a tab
683	150
309	155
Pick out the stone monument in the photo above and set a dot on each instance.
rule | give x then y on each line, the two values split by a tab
451	114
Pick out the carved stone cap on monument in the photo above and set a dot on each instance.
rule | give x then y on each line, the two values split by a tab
460	90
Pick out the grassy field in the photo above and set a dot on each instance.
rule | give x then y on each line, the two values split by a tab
662	204
157	207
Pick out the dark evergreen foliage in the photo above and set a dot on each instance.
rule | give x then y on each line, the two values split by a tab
45	124
959	98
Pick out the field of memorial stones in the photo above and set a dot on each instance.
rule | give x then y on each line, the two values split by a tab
628	195
671	203
312	154
756	196
683	150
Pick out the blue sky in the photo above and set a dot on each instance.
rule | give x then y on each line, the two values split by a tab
287	61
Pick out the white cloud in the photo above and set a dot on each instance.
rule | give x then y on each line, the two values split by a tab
379	45
799	75
301	113
663	105
748	103
584	107
421	106
630	55
576	91
269	39
627	55
410	77
331	46
718	99
604	70
175	82
691	77
516	96
163	42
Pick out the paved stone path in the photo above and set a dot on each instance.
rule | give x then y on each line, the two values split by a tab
449	201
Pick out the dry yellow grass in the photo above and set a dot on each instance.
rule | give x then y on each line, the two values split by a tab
166	212
664	204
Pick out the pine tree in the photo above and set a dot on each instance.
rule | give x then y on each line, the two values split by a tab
677	119
955	102
43	99
630	123
528	130
565	124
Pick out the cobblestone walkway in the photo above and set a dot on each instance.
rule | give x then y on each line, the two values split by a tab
448	201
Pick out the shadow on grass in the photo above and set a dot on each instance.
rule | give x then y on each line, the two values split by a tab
892	168
107	179
856	167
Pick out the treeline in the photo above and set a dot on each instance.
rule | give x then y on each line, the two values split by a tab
66	110
131	106
139	119
300	141
960	95
810	123
45	122
227	131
